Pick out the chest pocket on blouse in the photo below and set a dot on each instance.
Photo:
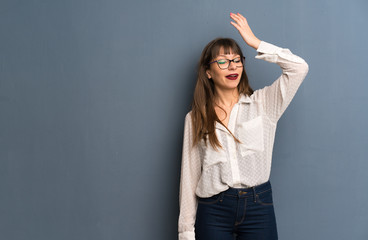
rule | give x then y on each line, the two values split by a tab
211	157
251	135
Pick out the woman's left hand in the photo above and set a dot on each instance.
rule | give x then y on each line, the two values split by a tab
242	25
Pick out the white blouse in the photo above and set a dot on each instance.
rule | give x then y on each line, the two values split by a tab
253	119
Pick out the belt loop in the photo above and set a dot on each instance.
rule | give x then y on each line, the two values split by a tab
254	194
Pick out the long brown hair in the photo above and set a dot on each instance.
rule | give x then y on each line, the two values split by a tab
203	111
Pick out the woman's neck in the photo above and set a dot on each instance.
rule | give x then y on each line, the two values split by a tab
227	98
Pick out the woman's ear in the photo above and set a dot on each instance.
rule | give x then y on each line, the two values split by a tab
208	74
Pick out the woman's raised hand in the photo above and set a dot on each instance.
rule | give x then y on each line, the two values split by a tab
242	25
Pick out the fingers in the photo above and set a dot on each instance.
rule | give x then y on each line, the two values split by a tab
241	16
241	24
238	21
234	17
236	26
238	18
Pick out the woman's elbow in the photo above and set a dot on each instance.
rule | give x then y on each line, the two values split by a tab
303	69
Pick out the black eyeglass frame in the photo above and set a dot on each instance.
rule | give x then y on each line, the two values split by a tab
230	60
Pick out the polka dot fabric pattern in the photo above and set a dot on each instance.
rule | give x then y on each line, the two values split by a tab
253	119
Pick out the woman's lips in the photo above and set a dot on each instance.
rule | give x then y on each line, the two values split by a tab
232	76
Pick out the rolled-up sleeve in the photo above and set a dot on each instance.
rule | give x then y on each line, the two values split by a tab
277	96
190	174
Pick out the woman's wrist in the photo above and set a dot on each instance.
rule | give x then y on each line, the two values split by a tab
255	43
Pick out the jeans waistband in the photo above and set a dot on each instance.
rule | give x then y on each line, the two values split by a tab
246	192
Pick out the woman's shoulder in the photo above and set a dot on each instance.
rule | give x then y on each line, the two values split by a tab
188	116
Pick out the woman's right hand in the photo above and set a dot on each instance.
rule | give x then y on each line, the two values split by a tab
241	24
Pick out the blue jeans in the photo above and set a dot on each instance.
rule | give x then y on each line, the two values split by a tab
246	213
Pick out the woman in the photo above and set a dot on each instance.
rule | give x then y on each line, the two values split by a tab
228	141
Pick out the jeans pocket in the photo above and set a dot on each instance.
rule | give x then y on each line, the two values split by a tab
265	198
211	200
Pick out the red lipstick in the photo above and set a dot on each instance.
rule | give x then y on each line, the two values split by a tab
232	76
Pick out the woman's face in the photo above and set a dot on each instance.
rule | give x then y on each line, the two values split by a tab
228	78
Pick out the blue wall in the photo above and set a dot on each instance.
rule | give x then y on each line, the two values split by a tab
93	96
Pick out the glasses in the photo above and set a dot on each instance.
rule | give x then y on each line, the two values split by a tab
225	63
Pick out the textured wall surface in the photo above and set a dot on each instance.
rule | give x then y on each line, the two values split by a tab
93	96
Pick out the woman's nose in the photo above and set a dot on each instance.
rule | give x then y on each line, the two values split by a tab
232	65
